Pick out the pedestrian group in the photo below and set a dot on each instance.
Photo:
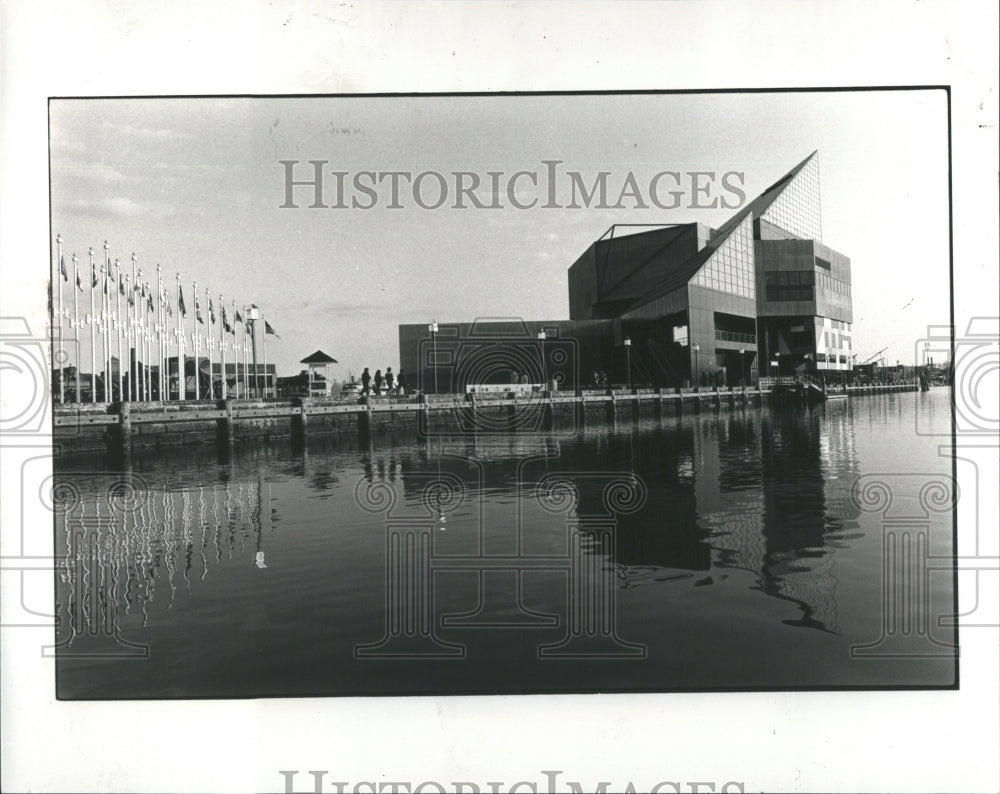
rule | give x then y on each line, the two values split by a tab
374	384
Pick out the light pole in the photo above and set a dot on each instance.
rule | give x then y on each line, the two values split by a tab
694	375
743	378
433	328
253	315
628	362
541	339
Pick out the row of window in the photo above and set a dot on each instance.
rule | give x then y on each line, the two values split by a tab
781	278
833	285
836	340
833	359
789	293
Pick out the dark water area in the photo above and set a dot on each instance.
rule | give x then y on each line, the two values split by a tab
743	549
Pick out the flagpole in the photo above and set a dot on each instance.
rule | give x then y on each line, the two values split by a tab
62	347
149	343
236	353
255	312
129	296
140	338
160	322
210	343
180	343
263	343
147	375
118	323
105	327
246	366
133	353
223	342
93	334
196	340
76	322
106	317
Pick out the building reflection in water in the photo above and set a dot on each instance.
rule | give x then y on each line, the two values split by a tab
763	488
746	490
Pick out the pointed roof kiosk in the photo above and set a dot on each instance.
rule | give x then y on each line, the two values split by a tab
316	362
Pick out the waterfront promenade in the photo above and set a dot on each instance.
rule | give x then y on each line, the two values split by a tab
120	426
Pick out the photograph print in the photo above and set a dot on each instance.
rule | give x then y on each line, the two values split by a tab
498	394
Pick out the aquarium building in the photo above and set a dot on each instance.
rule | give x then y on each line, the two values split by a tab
678	304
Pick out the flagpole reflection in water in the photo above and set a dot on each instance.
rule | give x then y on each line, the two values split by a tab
114	557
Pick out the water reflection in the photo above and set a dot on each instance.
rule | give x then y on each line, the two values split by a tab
128	545
405	545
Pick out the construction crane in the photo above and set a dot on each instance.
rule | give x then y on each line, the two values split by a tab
871	358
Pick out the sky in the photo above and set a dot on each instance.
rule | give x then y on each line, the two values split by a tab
196	185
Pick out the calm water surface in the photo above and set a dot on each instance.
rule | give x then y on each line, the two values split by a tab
742	549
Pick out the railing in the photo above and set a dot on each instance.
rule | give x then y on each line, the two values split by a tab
732	336
782	380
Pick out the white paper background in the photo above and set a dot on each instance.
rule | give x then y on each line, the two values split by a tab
888	741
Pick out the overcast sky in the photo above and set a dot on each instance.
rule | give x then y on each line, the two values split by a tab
196	186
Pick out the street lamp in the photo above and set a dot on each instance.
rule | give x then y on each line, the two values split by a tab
433	328
253	315
628	362
743	378
694	377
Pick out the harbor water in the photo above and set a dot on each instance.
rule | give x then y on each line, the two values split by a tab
746	548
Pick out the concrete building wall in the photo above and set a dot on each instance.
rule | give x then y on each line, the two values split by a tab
833	284
714	354
464	354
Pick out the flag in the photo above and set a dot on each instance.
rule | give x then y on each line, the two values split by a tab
93	275
238	318
269	330
197	310
170	310
62	268
78	284
121	286
180	301
211	311
149	300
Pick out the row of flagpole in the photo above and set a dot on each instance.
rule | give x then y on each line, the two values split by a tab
143	327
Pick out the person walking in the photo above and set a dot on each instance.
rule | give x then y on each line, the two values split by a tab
366	380
401	383
378	382
388	380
